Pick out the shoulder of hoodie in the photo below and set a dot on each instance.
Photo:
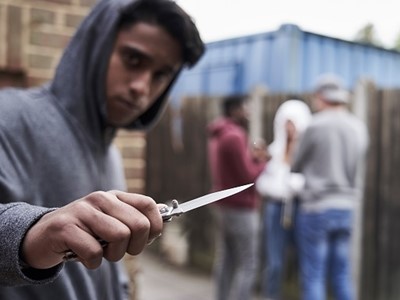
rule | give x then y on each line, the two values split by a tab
17	103
233	134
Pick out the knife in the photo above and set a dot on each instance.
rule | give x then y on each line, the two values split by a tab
176	209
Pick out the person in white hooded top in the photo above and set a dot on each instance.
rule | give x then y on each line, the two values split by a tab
278	187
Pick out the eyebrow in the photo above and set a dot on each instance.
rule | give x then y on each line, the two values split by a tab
133	50
142	55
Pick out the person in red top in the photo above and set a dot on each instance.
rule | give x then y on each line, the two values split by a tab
232	163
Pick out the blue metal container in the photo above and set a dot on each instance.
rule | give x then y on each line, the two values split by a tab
285	61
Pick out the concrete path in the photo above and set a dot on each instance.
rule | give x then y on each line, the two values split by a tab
158	280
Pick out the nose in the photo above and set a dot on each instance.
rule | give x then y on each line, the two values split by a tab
140	84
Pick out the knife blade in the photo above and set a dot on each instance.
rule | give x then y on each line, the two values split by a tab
177	209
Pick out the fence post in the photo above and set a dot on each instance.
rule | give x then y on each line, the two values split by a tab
257	95
360	109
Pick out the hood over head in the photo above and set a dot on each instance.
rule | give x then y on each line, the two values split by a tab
79	85
294	110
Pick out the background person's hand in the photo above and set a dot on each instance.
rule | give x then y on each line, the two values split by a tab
260	151
126	221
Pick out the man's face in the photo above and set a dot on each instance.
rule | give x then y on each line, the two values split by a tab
144	60
242	114
317	103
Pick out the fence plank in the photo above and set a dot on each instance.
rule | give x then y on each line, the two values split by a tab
369	265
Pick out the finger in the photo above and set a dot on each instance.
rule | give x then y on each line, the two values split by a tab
87	249
139	225
145	205
113	232
132	240
160	206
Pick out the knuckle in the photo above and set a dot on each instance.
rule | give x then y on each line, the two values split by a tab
60	222
121	234
68	229
136	247
96	198
82	206
114	255
94	255
150	207
148	204
141	226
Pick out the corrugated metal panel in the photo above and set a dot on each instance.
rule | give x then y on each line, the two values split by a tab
351	60
287	60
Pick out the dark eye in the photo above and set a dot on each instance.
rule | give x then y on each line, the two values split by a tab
131	58
162	76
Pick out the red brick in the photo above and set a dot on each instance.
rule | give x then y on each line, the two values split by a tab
40	61
134	173
59	1
131	134
73	20
131	152
133	189
40	16
53	40
88	3
14	33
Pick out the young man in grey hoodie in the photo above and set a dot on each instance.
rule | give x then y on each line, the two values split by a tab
58	166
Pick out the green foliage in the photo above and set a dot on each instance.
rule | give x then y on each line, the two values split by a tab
397	43
367	35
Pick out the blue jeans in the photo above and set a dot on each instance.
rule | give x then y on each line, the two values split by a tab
276	242
324	251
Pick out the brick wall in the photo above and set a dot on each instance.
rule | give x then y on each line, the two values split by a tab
133	146
33	35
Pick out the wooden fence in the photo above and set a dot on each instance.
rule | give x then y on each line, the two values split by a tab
177	167
380	266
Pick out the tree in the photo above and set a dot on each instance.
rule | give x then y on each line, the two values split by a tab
397	43
367	35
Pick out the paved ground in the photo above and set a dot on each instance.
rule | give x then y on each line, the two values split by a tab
158	280
164	279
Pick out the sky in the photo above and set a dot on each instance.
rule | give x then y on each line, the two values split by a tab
221	19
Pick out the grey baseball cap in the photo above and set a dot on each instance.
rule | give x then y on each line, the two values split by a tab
331	88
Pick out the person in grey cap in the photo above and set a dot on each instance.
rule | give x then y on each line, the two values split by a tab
329	156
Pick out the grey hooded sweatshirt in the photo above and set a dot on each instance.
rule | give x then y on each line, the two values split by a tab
55	148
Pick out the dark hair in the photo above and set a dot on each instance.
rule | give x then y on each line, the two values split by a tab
173	19
232	102
294	97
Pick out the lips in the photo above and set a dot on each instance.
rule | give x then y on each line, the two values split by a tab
129	104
